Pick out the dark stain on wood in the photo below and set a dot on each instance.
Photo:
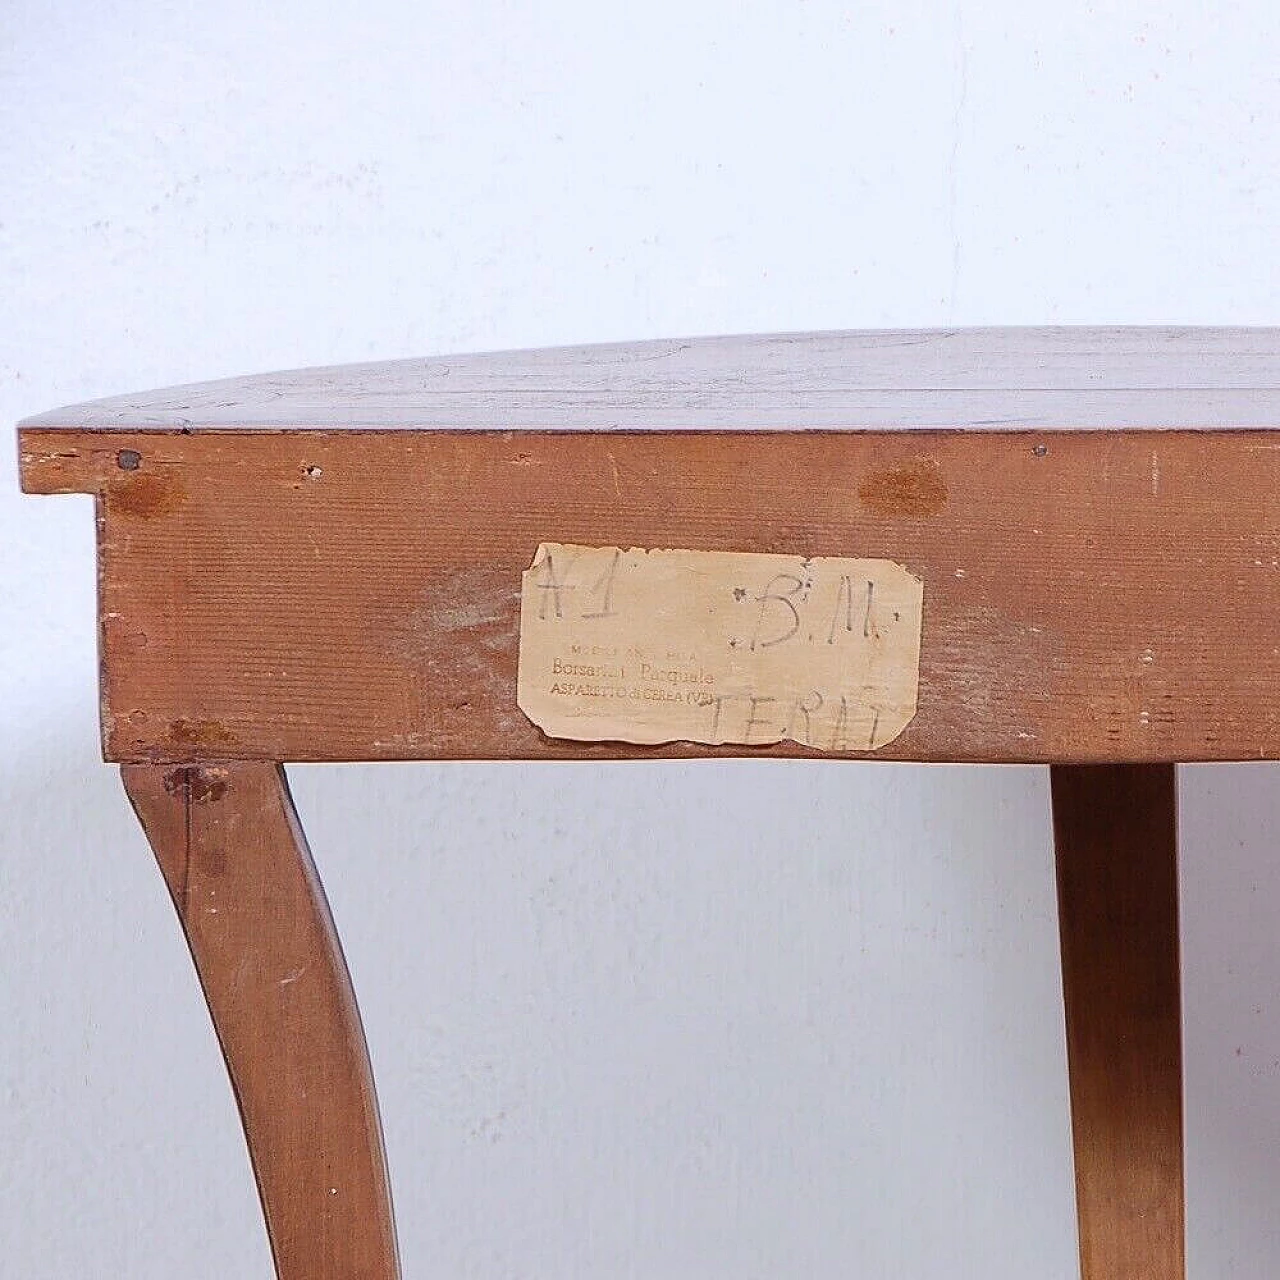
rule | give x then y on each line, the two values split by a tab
146	496
914	489
202	785
214	863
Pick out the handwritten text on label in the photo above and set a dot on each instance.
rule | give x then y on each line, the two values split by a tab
718	647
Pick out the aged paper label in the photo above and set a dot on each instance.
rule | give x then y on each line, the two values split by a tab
713	646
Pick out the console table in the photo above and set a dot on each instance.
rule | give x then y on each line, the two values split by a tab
1056	546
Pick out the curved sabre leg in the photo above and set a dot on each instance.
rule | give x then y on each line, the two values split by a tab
233	853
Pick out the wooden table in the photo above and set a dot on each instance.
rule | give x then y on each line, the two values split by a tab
329	565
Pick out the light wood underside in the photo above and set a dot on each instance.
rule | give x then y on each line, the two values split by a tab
1088	596
972	378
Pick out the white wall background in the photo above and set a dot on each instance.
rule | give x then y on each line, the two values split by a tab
648	1022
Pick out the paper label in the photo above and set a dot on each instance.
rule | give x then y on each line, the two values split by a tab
718	647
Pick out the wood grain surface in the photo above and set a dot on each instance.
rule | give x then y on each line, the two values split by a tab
255	916
979	378
1088	596
1115	830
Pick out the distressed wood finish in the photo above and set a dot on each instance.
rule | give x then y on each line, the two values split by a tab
1115	830
354	595
973	378
236	862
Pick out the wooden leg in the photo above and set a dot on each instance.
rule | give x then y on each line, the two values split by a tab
1115	830
230	846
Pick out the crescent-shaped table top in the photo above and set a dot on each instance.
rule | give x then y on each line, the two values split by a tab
975	379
